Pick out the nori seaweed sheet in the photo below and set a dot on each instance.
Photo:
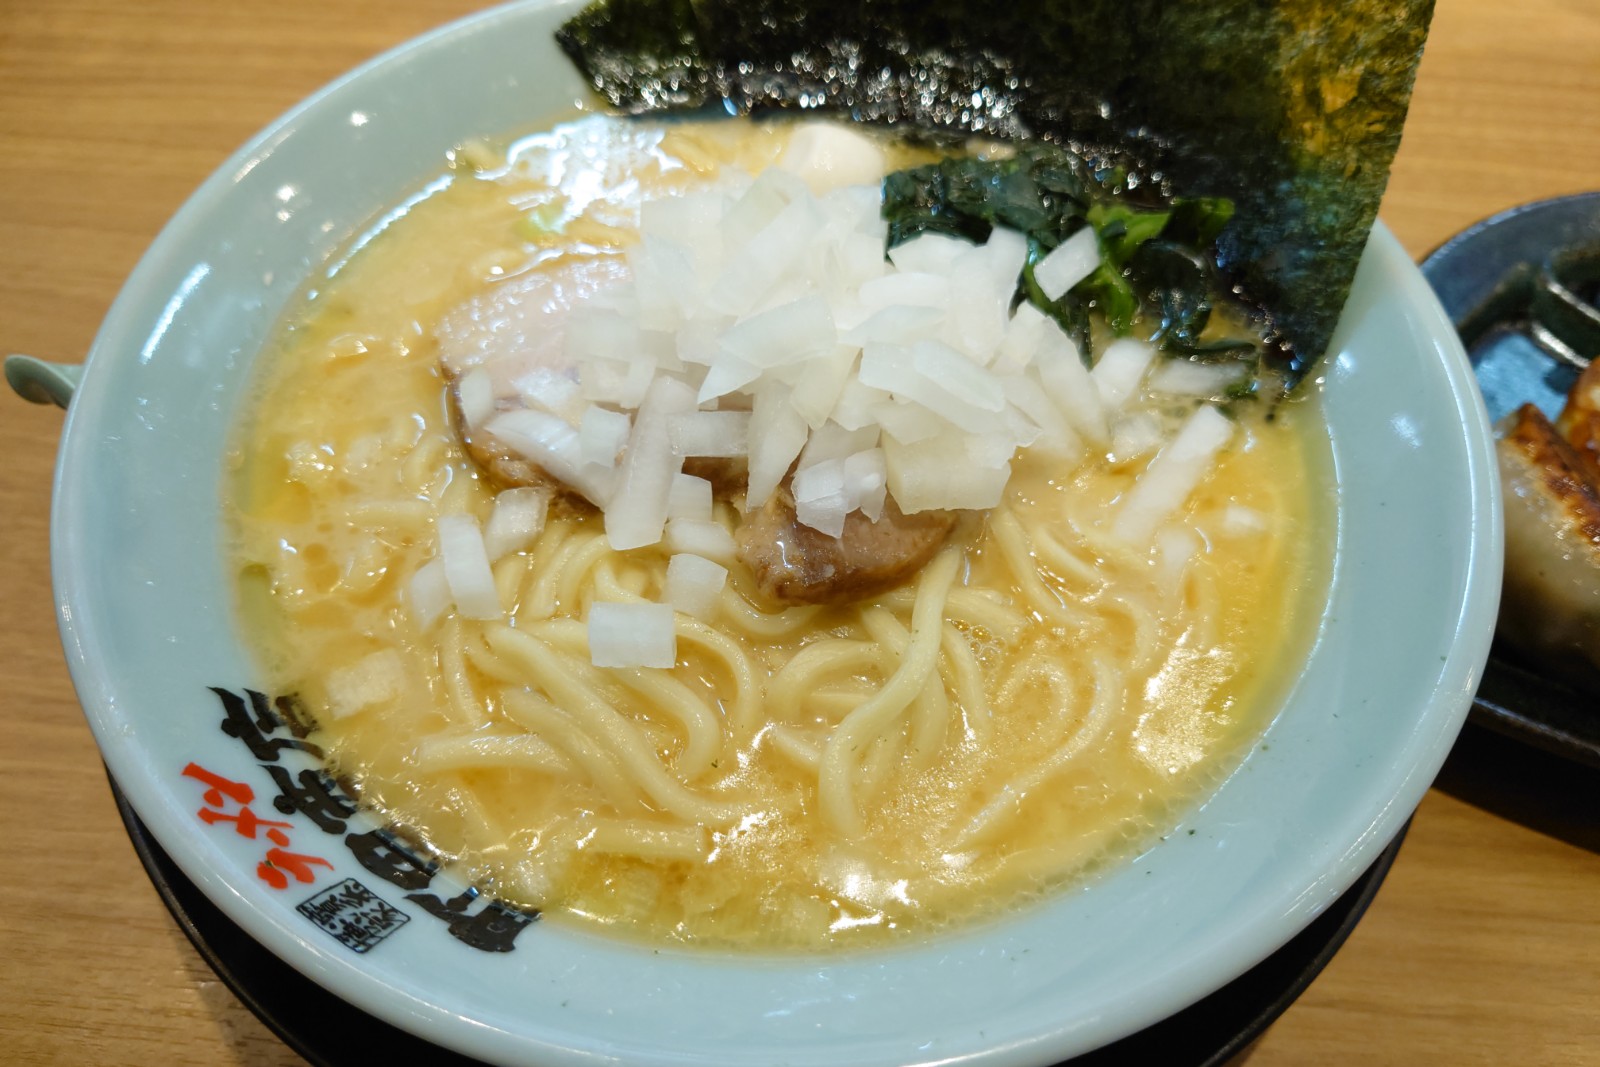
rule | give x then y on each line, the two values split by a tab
1291	108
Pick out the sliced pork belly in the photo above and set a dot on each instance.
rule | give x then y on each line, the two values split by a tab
515	330
795	564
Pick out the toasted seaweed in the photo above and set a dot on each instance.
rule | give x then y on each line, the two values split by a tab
1291	109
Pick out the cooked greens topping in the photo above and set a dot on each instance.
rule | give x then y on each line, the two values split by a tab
1291	110
1157	274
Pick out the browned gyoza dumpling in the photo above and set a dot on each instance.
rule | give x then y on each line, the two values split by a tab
1579	423
1550	608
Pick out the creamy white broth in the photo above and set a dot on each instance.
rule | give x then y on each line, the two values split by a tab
1091	696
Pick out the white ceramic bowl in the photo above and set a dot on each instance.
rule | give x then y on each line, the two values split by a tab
147	620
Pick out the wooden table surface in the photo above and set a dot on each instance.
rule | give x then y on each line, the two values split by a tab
1484	945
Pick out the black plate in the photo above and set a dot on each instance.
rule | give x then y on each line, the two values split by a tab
331	1033
1508	284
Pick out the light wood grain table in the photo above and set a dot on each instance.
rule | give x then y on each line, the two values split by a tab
1484	946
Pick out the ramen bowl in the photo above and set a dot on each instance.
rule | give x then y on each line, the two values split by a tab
197	744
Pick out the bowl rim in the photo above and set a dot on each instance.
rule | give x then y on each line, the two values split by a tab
77	620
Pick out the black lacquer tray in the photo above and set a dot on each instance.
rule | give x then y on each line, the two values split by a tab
1521	289
331	1033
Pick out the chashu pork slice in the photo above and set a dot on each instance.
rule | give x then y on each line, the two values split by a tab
794	564
515	328
1550	607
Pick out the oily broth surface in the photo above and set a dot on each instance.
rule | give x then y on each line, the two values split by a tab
350	455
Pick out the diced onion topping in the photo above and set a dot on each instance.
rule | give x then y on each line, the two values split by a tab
1172	476
1182	377
1070	263
719	434
372	680
1120	371
466	567
759	318
429	594
689	497
703	537
632	635
475	390
601	436
517	518
1240	521
694	583
638	510
828	156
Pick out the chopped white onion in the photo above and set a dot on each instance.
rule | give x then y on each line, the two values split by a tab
827	155
689	497
1240	521
616	381
1055	438
664	282
819	496
857	404
466	567
596	332
982	283
777	433
1134	435
928	253
907	422
854	260
632	635
694	583
372	680
766	258
763	200
866	481
429	594
1120	370
1166	484
702	537
1024	337
906	290
832	441
789	333
897	325
1068	264
825	514
727	374
1067	381
1208	381
717	434
553	444
938	378
637	509
689	222
939	474
601	435
958	376
553	391
818	392
475	390
776	311
518	517
697	339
